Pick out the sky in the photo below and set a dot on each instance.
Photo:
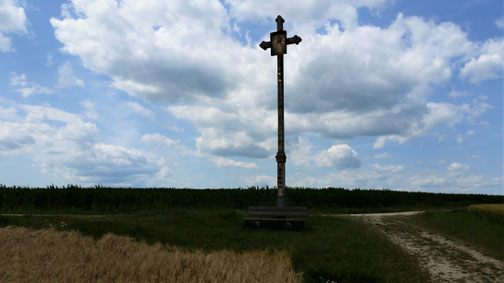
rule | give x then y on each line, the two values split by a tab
380	94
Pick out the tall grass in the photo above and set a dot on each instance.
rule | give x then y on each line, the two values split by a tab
494	211
51	256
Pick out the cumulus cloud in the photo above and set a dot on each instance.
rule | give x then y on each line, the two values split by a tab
69	148
66	76
160	50
350	81
25	87
340	156
226	162
306	16
227	133
488	64
438	114
12	20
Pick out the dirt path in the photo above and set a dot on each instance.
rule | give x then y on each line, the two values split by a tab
446	260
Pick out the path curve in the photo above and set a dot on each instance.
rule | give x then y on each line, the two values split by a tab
446	260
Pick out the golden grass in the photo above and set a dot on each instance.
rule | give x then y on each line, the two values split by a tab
497	208
52	256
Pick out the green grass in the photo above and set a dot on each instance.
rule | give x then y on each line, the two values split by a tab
328	248
486	235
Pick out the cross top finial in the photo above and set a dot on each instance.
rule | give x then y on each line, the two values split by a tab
279	20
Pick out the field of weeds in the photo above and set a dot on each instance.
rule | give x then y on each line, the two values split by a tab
49	255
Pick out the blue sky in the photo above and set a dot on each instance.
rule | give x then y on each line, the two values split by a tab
403	95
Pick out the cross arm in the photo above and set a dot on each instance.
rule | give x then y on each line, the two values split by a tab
295	39
265	45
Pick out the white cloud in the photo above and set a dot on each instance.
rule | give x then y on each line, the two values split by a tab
455	183
488	64
140	110
340	156
300	153
457	167
160	50
170	149
395	177
259	180
12	20
373	176
159	140
478	108
90	108
222	162
351	81
227	133
5	43
25	87
69	149
305	16
66	76
439	114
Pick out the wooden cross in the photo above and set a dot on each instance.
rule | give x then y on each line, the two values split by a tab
278	44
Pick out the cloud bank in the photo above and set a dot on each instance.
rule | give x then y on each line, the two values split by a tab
348	81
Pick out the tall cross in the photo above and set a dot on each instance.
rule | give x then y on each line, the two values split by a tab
278	44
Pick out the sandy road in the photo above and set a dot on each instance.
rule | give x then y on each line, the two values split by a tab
446	260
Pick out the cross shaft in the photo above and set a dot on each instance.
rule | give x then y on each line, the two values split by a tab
278	44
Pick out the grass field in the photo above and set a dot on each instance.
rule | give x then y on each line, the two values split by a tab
50	256
483	233
211	221
335	249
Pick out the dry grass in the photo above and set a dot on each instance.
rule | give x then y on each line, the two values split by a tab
52	256
488	211
497	208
